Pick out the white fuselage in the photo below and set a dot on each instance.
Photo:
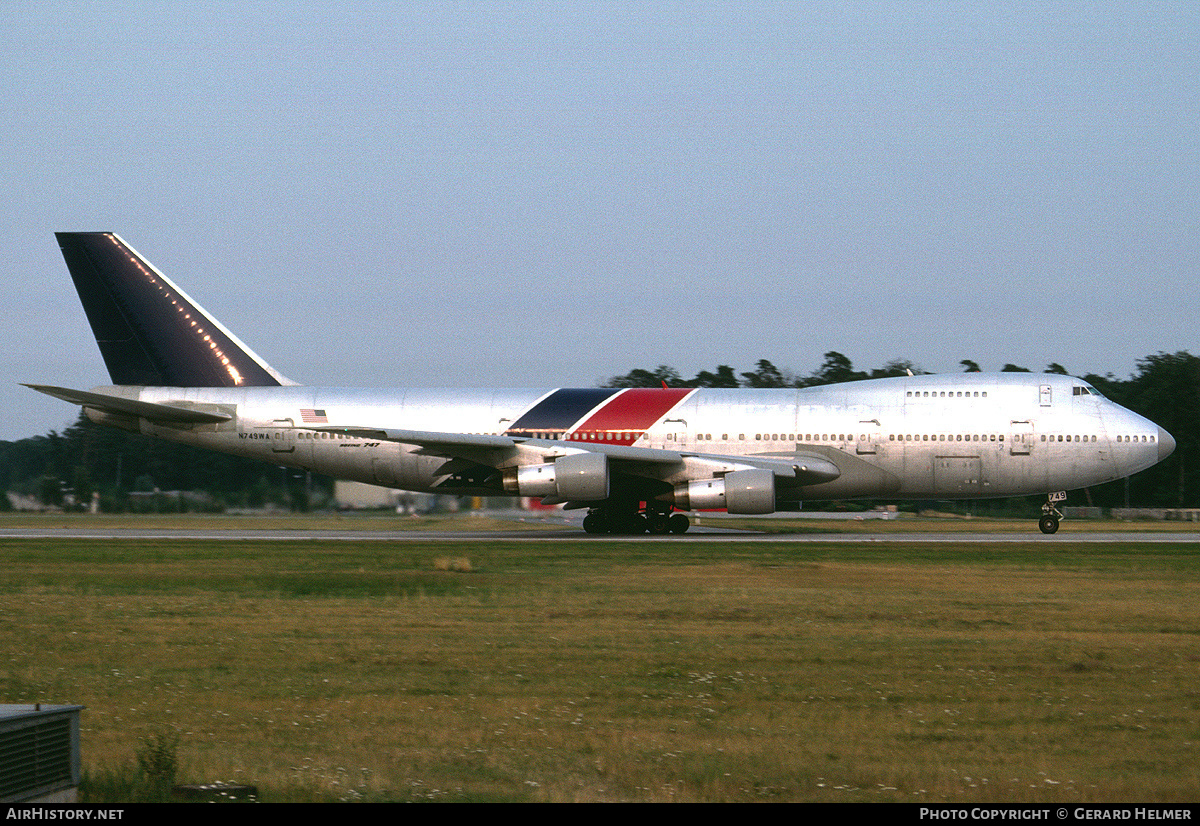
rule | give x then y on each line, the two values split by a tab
932	436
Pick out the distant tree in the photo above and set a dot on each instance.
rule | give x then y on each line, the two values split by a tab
81	486
1012	368
50	491
723	377
647	378
91	457
767	375
1056	368
970	366
836	368
896	367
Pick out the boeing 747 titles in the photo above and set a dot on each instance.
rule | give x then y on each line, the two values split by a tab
634	458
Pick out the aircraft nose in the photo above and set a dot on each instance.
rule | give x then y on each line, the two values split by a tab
1166	444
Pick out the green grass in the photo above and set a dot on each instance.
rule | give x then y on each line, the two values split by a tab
640	671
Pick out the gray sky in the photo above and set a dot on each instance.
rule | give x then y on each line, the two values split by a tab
526	194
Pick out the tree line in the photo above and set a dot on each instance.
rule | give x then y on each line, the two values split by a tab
131	472
124	469
834	369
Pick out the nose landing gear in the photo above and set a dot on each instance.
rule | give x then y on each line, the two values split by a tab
1050	514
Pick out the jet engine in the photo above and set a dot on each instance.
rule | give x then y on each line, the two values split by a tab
581	477
742	491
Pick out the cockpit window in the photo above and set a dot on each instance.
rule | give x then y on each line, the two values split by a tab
1085	390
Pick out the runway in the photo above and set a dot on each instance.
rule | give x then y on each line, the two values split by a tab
533	534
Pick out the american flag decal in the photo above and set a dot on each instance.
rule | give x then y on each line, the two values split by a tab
309	416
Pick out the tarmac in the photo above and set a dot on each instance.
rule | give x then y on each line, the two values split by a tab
699	533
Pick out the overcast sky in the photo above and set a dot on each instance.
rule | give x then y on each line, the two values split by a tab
527	194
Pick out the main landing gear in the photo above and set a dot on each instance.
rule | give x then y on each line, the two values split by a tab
1050	514
635	520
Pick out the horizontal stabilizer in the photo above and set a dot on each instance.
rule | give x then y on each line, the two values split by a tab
163	413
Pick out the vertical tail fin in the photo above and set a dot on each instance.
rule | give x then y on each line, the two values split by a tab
148	330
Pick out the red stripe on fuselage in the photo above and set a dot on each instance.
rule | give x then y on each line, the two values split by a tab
630	414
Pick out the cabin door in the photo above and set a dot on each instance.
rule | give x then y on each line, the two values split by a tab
283	436
868	437
1022	438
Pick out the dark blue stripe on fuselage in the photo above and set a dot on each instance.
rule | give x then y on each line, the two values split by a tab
561	409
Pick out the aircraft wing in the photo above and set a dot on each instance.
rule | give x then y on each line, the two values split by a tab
157	413
664	466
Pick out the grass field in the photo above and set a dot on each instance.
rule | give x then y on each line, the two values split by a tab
622	671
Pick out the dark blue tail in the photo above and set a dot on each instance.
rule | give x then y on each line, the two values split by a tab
148	330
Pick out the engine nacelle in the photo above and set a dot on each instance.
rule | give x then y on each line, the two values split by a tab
742	491
577	476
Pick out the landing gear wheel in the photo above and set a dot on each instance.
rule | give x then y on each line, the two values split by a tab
1050	514
641	524
595	522
628	524
623	520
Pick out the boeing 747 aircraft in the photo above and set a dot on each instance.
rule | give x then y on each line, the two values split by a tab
632	457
